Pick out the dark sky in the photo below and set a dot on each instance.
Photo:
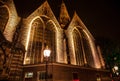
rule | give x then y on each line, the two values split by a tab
101	17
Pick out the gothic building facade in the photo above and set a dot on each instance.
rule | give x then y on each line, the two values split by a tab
74	54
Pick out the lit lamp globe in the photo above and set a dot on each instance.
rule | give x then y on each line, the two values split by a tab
47	52
116	68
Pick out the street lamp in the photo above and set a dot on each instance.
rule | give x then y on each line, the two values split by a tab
46	55
116	68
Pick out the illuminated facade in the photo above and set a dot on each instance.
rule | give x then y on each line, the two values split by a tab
73	48
71	45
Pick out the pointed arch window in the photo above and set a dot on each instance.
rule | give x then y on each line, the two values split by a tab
87	48
41	34
35	42
50	33
78	47
82	48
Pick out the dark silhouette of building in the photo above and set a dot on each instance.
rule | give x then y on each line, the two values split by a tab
74	54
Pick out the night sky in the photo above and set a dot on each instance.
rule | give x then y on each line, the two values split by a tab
101	17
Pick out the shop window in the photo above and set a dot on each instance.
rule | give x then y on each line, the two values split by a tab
29	75
42	76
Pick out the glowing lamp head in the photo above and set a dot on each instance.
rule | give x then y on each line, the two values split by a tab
47	52
116	67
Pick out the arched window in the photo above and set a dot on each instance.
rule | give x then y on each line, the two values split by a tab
4	16
78	47
87	48
35	41
42	33
50	39
83	52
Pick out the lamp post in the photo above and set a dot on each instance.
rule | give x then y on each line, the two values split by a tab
46	55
